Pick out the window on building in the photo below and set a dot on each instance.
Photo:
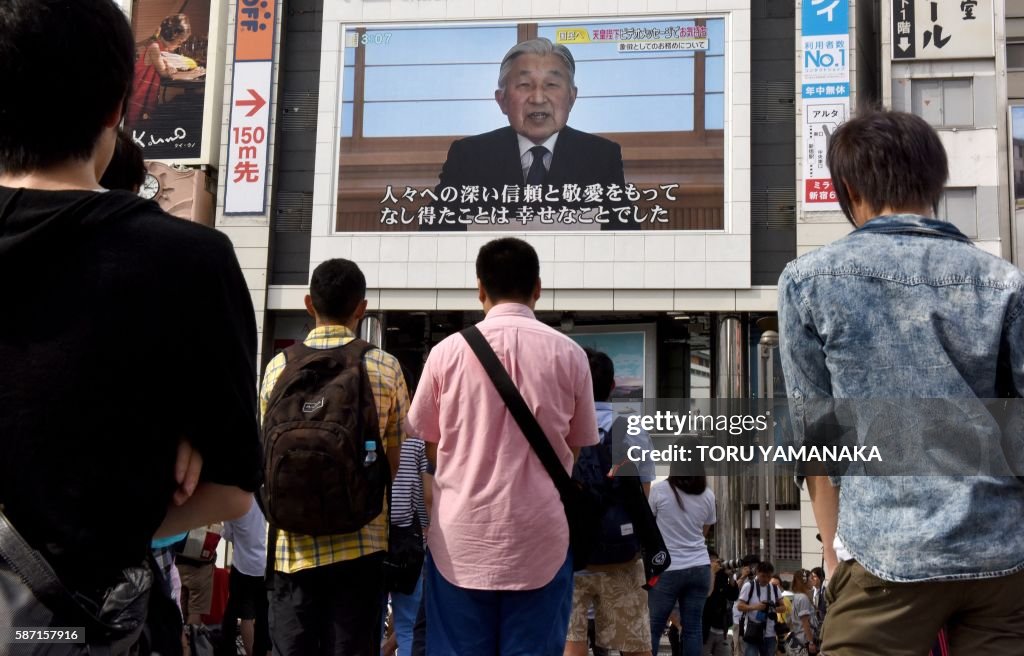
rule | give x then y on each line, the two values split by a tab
959	206
1015	55
944	102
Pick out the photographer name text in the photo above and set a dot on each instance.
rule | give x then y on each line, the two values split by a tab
735	453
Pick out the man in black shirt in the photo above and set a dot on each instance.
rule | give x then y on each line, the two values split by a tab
127	337
718	608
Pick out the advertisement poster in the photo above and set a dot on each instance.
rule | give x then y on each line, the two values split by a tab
245	190
627	353
825	92
165	109
929	29
640	138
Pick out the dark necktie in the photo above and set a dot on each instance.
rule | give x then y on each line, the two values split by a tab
535	175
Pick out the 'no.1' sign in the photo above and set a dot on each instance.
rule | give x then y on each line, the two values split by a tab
245	170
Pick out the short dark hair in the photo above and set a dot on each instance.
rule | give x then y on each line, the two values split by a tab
889	158
337	287
508	269
65	68
602	372
765	566
127	168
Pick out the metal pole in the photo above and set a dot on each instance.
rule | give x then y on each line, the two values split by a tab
766	390
730	490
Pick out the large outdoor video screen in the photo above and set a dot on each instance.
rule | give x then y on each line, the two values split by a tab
643	146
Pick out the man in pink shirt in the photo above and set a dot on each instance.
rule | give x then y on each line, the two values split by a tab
499	573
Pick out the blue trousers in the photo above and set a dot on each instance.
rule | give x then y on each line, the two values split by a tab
404	608
690	588
499	622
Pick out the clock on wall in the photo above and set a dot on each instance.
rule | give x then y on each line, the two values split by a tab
150	187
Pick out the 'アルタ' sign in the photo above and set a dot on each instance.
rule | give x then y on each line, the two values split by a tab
245	189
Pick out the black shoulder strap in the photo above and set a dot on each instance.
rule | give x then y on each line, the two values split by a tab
517	406
30	567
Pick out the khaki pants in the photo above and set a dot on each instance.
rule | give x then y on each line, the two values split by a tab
868	616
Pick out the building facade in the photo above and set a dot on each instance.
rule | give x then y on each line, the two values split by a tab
325	126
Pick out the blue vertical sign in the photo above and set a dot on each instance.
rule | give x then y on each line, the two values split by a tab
825	17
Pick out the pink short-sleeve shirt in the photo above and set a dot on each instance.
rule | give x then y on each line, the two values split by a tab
497	522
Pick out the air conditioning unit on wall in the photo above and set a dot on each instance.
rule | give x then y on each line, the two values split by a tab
184	192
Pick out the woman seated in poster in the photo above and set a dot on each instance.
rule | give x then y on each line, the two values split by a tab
158	61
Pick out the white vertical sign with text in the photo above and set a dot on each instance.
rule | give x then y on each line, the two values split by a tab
245	188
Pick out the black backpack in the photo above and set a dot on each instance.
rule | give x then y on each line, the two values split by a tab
325	469
619	540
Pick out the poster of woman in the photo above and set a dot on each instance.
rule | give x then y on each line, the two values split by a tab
165	110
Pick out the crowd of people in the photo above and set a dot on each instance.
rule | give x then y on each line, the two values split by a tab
130	418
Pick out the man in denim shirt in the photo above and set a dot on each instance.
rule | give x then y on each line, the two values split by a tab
906	307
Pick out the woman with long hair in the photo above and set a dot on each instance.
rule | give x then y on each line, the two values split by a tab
802	639
684	507
152	66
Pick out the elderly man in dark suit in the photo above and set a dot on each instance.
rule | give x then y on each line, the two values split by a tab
536	91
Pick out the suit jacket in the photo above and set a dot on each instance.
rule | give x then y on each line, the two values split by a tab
491	160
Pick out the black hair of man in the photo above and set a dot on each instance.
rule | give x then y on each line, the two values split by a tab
337	287
602	372
766	567
65	69
508	269
890	159
127	168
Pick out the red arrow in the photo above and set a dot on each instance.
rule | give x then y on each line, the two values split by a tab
256	103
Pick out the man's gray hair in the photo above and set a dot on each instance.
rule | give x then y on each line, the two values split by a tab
541	47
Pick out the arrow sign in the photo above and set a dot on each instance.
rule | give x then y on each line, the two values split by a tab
904	44
257	102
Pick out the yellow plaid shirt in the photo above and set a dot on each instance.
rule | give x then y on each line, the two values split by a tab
296	552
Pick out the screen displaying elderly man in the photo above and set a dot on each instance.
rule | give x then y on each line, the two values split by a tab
536	91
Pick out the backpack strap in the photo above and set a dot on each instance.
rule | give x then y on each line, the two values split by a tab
297	354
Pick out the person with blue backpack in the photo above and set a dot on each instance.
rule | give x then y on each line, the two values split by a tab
613	581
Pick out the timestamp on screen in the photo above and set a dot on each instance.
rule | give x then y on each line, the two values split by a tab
375	39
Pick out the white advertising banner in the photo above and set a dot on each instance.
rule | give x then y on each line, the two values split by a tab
950	29
246	184
245	188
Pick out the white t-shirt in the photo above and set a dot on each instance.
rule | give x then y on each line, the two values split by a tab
248	535
756	595
682	526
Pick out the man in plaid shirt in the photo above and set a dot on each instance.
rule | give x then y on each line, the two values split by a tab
327	589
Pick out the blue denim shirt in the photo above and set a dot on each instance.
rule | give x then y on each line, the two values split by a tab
908	307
